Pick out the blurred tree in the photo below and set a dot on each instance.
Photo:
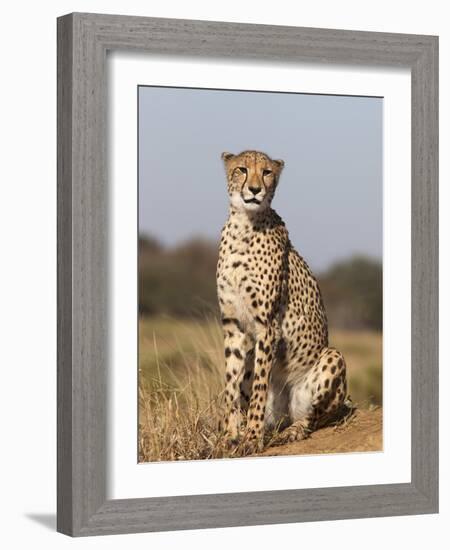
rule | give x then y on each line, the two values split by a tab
181	282
353	293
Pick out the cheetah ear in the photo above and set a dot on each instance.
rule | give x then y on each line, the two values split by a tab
227	156
279	163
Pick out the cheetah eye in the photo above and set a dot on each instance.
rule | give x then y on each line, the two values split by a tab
242	169
267	172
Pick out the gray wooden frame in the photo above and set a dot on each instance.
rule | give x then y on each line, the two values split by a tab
83	40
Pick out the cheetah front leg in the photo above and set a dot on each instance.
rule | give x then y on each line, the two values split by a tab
264	356
237	345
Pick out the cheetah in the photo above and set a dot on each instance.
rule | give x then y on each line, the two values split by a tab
280	371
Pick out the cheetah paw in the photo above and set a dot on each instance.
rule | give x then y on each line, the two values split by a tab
290	434
251	444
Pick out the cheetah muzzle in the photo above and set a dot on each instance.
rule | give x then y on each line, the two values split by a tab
279	370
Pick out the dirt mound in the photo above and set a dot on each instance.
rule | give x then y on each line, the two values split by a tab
361	432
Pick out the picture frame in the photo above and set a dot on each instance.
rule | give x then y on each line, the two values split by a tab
83	507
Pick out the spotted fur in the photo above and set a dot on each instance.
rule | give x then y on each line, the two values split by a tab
279	370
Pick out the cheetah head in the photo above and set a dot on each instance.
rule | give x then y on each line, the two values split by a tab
252	179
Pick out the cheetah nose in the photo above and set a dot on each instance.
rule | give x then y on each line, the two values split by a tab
255	190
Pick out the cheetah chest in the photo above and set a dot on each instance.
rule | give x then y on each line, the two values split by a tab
232	280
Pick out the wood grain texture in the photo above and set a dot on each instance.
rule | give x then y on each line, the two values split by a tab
424	274
83	40
64	298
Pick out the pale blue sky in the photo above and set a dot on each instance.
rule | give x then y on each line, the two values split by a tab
330	191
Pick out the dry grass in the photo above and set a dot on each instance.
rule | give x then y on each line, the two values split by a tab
180	390
181	385
178	411
174	425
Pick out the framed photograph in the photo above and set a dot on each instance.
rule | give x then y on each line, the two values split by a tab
247	274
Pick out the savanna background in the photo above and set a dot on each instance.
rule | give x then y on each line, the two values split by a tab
330	196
